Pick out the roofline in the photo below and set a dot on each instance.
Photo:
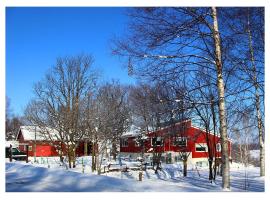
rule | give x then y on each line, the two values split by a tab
201	129
187	120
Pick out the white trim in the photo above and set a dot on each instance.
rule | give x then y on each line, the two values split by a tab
162	140
179	145
217	134
218	147
124	141
201	145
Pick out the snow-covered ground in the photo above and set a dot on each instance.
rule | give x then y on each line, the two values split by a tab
48	176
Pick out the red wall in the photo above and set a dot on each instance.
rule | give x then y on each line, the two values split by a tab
194	135
43	148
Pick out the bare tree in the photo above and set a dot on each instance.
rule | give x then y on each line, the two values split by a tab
12	122
106	119
248	31
174	42
57	103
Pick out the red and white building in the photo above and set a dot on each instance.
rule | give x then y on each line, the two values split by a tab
170	141
31	135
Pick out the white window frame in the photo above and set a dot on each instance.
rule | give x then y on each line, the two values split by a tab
201	145
218	147
30	148
157	140
137	144
124	142
180	138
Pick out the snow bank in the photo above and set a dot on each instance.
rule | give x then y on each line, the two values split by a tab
26	178
37	177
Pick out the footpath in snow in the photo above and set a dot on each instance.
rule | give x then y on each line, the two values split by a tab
22	177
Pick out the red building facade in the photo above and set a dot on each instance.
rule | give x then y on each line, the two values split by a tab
182	137
30	136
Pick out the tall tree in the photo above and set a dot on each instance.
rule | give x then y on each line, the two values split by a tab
248	39
172	44
56	105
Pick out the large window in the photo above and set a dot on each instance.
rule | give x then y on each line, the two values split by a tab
218	147
157	141
201	147
124	142
180	141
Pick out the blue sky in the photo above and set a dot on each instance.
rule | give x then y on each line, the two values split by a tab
35	37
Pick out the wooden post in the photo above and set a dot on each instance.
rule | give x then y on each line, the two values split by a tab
140	176
35	145
27	152
10	153
85	148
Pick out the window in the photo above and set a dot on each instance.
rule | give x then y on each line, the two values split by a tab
29	148
124	142
157	141
15	150
202	164
180	141
218	147
137	143
202	147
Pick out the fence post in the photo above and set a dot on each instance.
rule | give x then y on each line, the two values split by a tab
140	176
10	153
48	163
82	166
27	151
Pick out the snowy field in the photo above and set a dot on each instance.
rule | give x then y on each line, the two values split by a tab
48	176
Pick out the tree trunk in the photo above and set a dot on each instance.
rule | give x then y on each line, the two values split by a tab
93	157
261	142
10	153
257	99
210	169
215	170
222	107
74	157
215	144
185	167
114	149
69	159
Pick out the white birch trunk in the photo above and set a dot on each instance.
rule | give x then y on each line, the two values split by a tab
222	108
257	100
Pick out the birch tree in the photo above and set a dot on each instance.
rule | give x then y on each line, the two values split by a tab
173	43
248	31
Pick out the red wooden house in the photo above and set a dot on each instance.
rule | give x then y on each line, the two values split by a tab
173	140
31	135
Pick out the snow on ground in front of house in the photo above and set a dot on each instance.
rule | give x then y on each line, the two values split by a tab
48	175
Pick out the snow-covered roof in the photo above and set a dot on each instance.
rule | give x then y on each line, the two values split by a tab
133	132
36	133
12	142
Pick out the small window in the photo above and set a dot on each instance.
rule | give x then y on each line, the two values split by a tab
29	148
137	143
124	142
15	150
218	147
180	141
157	141
201	147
